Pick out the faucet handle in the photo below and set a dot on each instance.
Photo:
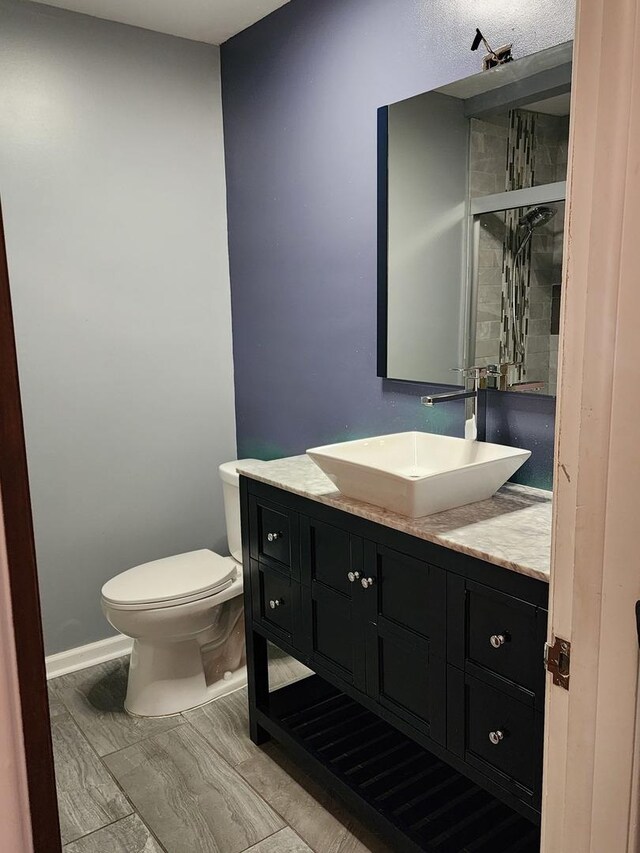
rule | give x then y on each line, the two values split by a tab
466	371
473	375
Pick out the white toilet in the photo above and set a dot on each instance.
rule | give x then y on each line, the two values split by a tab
185	614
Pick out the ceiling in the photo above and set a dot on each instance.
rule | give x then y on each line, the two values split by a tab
211	21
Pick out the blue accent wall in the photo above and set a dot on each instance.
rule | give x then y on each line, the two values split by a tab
300	94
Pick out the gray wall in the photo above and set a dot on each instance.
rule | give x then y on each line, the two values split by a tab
112	184
300	93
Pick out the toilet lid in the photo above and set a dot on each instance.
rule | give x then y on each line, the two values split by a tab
191	576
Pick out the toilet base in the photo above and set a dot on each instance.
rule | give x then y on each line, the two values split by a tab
166	679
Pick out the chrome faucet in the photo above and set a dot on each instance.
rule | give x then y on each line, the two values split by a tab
473	376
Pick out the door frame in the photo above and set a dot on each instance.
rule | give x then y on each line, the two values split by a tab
14	795
19	571
590	775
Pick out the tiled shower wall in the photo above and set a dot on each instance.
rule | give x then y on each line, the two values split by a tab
546	276
488	174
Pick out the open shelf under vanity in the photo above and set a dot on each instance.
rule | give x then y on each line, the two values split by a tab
390	780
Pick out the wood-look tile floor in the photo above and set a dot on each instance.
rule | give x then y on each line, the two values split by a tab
193	783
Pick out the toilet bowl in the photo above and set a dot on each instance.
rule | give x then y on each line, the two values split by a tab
186	619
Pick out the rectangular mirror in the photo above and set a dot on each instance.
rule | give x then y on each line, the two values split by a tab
470	225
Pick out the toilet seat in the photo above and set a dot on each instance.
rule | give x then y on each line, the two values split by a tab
171	581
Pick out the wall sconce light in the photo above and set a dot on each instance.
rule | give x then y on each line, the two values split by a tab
492	57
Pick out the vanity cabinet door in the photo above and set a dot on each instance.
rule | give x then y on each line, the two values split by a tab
329	554
405	602
331	568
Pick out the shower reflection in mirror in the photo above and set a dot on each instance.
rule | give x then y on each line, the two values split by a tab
518	274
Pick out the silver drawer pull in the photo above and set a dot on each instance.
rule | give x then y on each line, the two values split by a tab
367	582
496	737
353	576
272	537
497	640
275	602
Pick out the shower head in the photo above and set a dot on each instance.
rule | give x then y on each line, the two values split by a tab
537	216
533	218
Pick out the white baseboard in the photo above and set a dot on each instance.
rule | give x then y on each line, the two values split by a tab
89	655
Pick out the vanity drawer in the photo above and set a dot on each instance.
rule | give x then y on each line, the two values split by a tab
275	599
274	534
502	634
496	733
500	731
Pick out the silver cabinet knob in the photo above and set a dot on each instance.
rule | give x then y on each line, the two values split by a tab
496	737
272	537
275	602
367	582
353	576
497	640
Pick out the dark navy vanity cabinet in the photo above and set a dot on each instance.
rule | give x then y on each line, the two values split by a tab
425	712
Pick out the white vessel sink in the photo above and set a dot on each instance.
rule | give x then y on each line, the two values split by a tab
418	473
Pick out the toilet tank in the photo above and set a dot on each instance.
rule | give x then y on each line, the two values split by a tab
231	493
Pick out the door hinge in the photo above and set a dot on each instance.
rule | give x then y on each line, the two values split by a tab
557	660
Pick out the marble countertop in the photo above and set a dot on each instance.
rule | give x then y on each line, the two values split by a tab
512	529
